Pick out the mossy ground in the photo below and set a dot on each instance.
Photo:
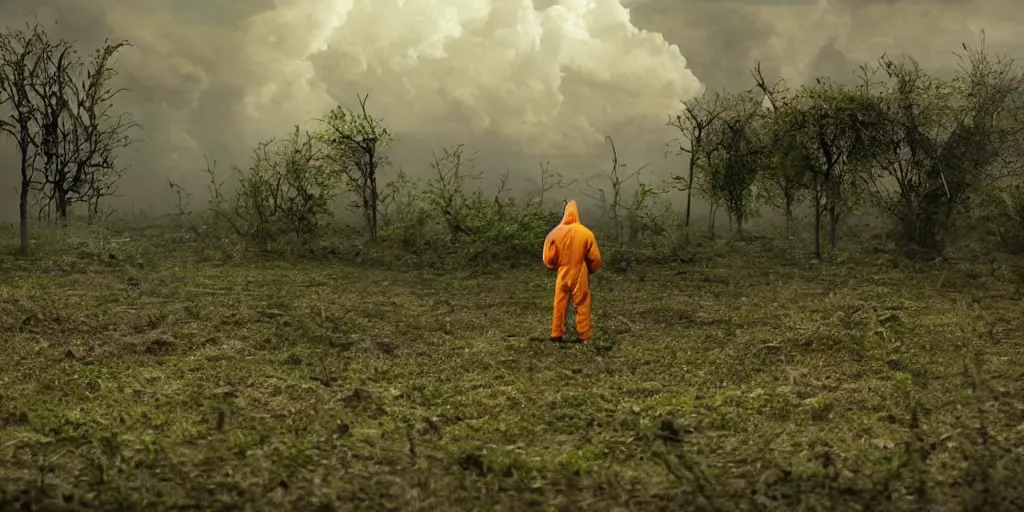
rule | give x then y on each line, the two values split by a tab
147	379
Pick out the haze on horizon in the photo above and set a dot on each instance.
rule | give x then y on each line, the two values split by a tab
519	80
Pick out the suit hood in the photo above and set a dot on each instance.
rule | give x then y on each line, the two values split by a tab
571	213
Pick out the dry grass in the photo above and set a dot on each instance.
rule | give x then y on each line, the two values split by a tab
139	380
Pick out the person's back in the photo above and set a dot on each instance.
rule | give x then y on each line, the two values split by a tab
571	249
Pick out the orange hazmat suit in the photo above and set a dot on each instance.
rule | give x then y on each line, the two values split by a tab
571	249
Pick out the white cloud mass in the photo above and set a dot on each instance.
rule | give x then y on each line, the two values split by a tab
520	80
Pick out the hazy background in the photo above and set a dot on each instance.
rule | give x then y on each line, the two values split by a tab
519	80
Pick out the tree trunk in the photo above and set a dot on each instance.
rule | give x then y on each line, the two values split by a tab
739	224
833	225
789	217
26	183
689	191
711	218
374	200
817	225
61	197
372	176
94	208
364	195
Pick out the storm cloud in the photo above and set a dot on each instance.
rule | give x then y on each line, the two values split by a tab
520	80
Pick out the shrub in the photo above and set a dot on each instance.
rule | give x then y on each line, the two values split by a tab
285	194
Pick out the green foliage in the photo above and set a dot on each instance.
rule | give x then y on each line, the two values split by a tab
647	212
284	196
940	142
920	114
828	125
444	221
738	150
506	233
783	184
355	145
999	212
345	130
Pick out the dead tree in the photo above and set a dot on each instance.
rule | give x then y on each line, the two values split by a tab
613	205
502	189
22	54
80	132
551	180
447	190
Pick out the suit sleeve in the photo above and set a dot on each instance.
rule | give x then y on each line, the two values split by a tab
593	256
550	253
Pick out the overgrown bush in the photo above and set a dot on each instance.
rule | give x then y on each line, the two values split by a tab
443	220
448	219
1000	215
284	196
938	143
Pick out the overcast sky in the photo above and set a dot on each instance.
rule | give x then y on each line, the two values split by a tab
519	80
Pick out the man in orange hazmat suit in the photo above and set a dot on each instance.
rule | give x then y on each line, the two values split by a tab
571	249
